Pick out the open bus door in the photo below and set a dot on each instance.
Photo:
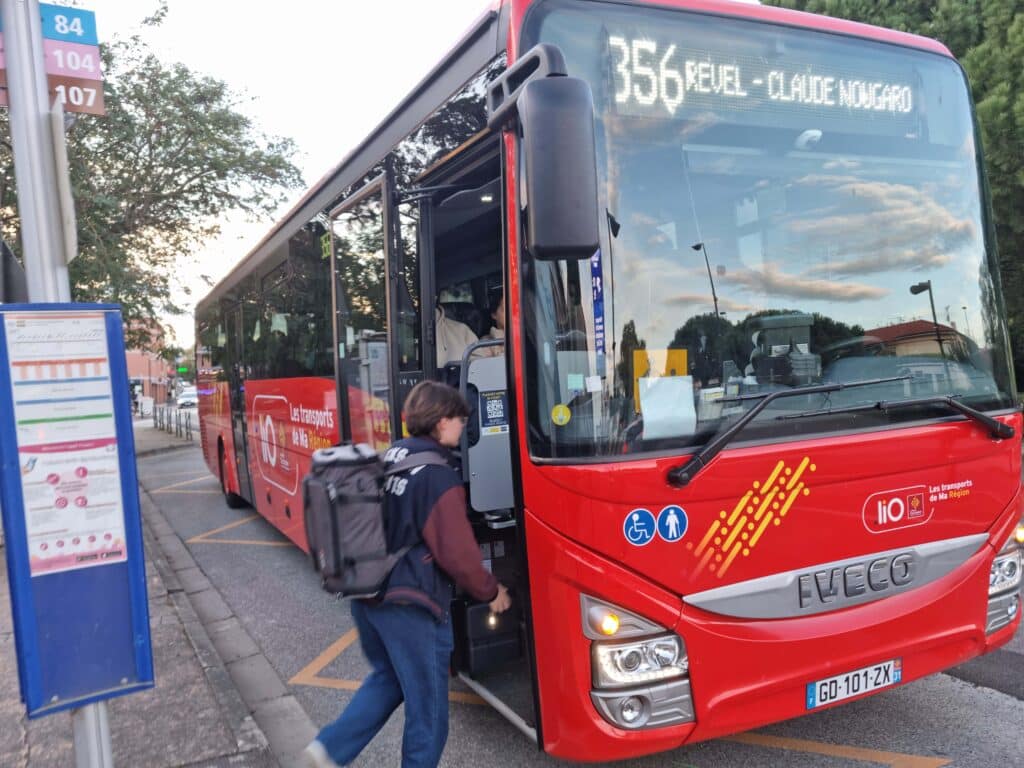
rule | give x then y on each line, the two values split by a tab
236	398
449	247
362	288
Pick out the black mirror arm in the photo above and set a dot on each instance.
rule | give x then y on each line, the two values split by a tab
502	97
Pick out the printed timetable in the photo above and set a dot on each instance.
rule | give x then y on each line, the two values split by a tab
67	440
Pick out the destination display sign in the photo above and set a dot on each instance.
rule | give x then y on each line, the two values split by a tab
656	76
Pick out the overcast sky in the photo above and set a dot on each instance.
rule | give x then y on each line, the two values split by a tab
294	61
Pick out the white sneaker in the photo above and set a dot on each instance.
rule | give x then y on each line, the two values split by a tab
315	756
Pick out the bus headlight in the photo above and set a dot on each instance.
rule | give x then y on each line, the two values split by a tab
641	661
1005	573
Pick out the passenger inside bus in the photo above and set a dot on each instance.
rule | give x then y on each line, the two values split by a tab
453	337
469	309
497	331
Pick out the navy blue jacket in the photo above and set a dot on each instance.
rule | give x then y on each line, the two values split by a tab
425	508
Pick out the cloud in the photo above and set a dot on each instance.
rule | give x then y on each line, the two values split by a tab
772	281
884	260
882	226
697	300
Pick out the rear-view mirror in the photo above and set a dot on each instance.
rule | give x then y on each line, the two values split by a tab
556	115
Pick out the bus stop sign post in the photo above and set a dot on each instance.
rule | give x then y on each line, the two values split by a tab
35	165
55	653
69	493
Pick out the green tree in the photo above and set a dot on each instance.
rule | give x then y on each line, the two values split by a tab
153	180
987	36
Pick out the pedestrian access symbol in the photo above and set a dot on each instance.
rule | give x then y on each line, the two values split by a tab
639	527
672	523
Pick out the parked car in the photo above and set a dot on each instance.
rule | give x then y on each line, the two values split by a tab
188	398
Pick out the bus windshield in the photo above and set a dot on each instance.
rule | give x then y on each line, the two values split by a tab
781	208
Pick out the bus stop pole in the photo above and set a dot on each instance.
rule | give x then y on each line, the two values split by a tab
39	205
42	244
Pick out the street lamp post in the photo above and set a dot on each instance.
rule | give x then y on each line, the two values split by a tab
707	263
921	288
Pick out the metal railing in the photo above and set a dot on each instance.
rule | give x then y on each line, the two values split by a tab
173	421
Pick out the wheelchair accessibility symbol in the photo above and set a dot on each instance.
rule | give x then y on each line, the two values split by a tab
639	527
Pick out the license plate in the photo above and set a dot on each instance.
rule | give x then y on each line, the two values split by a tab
849	684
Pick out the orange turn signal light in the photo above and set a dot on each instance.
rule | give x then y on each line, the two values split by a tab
609	624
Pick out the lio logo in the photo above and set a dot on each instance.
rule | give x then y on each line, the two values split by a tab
895	509
268	446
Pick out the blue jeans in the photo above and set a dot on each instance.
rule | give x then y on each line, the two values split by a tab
409	653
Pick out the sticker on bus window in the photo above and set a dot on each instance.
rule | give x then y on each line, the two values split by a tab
493	413
561	415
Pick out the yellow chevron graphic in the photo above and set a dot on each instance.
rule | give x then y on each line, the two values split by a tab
739	531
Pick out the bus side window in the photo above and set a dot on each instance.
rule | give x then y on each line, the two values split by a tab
408	307
362	323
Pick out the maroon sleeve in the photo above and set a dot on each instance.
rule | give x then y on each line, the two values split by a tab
450	540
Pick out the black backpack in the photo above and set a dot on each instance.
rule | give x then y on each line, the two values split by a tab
343	501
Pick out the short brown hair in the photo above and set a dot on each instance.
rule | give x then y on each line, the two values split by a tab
428	403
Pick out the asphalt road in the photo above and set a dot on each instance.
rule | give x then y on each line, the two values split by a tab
972	716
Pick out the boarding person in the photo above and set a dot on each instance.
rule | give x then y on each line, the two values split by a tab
406	633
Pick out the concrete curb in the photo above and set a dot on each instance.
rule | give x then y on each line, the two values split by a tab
262	713
163	449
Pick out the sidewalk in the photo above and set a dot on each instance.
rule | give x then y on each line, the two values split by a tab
150	440
193	717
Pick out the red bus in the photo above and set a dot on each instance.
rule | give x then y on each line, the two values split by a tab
751	444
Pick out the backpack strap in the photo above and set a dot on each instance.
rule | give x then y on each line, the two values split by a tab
420	459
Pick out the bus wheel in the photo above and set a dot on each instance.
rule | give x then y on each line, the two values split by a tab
233	500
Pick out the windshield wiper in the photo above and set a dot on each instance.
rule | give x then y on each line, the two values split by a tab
996	428
684	473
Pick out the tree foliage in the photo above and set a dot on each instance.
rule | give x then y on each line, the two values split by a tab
987	36
154	179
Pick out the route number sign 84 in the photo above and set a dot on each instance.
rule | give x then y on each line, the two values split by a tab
66	26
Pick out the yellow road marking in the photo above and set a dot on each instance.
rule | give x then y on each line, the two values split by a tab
310	674
223	528
205	538
893	759
183	482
